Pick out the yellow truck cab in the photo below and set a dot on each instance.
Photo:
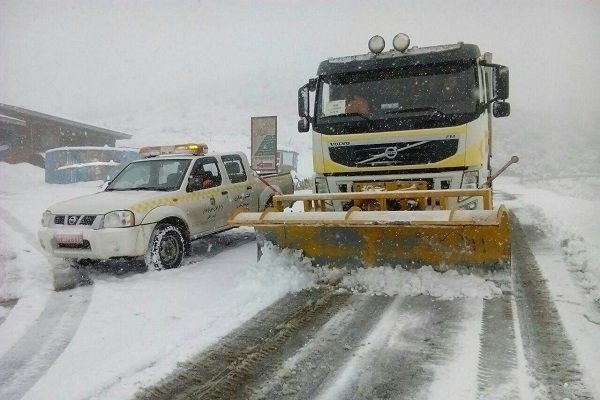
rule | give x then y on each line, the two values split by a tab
417	118
157	205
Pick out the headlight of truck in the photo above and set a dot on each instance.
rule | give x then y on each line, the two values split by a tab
470	180
119	219
46	218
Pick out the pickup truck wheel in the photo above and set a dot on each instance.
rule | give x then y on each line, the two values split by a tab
166	247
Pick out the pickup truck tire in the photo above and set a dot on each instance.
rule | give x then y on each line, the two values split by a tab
166	247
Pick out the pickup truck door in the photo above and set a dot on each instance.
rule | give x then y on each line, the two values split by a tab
243	193
207	198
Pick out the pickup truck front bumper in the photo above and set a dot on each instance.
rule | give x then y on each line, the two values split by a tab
96	244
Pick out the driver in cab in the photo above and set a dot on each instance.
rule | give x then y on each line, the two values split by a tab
356	104
201	179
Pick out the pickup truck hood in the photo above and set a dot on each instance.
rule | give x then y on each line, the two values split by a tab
104	202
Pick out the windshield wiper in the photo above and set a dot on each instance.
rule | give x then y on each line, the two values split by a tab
424	110
352	114
152	188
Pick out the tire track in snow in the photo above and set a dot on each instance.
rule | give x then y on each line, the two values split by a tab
548	350
353	347
401	354
29	359
28	236
498	353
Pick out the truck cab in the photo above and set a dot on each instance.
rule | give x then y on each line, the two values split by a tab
418	116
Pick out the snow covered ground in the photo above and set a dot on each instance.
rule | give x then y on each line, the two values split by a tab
129	67
128	331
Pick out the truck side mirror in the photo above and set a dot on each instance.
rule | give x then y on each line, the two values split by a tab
304	101
303	125
304	108
501	109
304	105
502	82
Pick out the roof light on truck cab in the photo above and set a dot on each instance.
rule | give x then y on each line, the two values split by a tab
194	149
376	44
401	42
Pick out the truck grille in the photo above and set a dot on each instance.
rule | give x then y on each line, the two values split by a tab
72	220
393	154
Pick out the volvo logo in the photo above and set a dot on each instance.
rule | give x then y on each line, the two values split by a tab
72	220
390	153
338	144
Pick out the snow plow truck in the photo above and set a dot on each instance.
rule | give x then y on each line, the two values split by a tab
402	145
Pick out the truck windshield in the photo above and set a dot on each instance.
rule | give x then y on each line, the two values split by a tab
404	98
153	174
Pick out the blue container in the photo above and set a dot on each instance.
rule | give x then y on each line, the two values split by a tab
79	164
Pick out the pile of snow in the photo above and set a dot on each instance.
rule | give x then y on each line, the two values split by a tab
24	196
570	221
23	269
399	282
382	280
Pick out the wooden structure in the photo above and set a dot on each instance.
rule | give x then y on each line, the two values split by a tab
26	134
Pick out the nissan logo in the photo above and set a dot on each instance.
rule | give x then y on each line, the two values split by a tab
72	220
390	153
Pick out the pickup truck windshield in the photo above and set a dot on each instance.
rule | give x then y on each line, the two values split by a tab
153	174
405	98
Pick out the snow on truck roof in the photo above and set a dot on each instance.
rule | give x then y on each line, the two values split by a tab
393	59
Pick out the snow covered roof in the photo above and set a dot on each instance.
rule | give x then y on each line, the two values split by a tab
23	112
11	120
92	148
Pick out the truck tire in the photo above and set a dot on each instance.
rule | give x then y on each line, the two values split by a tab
166	247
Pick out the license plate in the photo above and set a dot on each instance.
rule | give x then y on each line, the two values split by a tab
69	239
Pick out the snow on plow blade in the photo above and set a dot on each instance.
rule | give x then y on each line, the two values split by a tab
438	237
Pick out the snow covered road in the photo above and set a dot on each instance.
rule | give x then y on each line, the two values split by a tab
408	334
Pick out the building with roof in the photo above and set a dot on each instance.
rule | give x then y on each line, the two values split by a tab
26	134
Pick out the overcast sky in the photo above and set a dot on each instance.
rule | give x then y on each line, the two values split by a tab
89	59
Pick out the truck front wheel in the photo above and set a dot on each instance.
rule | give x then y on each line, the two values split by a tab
166	247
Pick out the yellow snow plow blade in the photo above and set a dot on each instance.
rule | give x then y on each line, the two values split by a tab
437	236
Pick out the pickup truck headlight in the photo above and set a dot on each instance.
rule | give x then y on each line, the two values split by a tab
46	218
119	219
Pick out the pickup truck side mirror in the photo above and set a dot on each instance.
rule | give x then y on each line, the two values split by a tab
194	183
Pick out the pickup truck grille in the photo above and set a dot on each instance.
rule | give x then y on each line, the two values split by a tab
72	220
84	245
395	153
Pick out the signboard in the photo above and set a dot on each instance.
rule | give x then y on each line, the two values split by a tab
264	143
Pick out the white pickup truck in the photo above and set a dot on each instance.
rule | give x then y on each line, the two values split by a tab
157	205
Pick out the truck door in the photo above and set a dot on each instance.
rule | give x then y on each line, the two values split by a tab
207	200
242	192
